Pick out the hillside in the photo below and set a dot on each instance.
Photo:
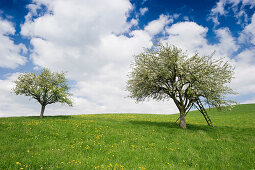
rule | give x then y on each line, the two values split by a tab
125	141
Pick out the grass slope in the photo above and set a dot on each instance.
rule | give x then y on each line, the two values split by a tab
127	141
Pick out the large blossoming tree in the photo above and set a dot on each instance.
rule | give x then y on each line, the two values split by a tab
164	72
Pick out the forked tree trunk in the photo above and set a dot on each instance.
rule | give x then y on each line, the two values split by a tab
182	119
42	111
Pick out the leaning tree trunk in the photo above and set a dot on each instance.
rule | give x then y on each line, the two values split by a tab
42	111
182	119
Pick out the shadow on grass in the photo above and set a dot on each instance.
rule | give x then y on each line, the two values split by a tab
195	127
214	132
172	125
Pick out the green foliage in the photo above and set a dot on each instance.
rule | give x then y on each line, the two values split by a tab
46	87
164	72
127	141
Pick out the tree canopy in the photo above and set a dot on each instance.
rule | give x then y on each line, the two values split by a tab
46	87
165	71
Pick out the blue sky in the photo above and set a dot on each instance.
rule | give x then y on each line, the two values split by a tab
94	42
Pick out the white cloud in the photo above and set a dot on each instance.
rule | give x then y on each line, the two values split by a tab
94	20
83	44
143	11
187	35
192	37
157	26
227	45
6	27
71	33
244	83
219	8
11	55
248	34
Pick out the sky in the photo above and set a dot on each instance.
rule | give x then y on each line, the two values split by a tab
95	42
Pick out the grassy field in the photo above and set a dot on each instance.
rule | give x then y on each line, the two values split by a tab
130	141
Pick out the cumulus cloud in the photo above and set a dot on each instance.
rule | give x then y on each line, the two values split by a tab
74	22
244	68
11	55
69	33
192	37
182	33
248	34
157	26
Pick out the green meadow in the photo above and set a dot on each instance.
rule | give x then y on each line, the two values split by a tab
130	141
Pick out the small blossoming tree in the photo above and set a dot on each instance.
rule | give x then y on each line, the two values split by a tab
164	72
47	88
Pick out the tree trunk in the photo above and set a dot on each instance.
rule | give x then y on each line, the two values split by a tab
42	111
182	119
